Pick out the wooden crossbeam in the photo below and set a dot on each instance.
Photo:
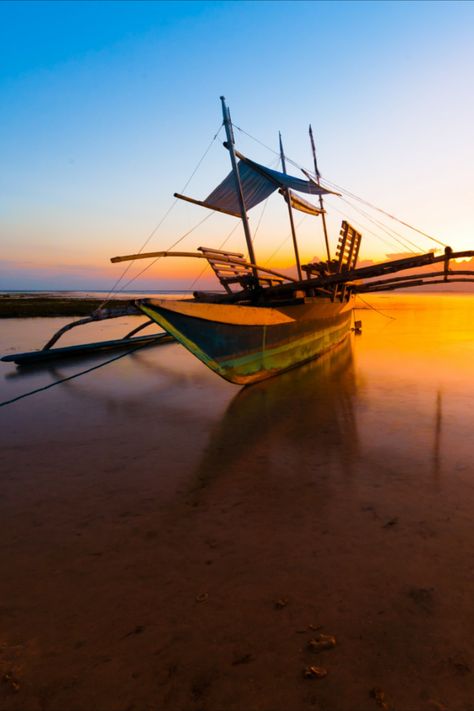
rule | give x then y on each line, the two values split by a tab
374	270
398	282
231	268
226	253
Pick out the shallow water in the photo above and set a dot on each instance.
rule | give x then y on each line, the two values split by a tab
413	363
152	495
402	390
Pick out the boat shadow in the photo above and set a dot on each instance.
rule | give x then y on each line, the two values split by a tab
301	421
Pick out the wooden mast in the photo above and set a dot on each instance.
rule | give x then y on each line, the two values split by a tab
318	176
290	212
238	185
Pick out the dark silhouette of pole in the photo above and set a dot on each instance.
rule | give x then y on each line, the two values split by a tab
290	212
321	204
238	185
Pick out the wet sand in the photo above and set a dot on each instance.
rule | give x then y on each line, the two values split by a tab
171	541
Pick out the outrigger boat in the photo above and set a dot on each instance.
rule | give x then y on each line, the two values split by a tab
265	322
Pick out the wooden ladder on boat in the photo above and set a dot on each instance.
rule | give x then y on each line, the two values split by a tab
232	268
347	253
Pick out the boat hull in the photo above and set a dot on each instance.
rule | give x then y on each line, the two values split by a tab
245	344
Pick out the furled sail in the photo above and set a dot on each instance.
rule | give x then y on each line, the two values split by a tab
258	182
282	180
300	204
255	189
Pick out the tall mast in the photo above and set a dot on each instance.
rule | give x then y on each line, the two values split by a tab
238	185
318	177
290	212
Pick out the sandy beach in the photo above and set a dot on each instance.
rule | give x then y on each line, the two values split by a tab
172	541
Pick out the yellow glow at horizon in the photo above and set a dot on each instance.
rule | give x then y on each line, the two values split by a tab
441	335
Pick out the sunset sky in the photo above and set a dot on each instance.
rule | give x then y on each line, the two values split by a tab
107	107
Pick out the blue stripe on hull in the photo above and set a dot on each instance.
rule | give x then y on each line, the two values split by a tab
246	354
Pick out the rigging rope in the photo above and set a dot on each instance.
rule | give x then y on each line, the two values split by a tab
260	219
344	190
388	230
284	241
229	236
403	241
384	212
363	227
220	247
158	225
180	239
392	318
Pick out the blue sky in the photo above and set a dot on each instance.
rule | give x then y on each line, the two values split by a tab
108	106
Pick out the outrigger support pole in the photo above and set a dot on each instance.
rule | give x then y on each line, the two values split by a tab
97	315
318	180
290	213
238	185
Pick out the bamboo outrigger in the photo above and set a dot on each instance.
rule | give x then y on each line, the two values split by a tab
263	322
129	341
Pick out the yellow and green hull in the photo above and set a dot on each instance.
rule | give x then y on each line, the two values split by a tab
245	344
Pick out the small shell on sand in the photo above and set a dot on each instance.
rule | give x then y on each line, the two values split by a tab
313	672
322	642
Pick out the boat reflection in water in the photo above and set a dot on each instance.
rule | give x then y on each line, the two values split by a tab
300	423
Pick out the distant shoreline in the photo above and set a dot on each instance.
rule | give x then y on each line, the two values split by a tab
27	305
62	303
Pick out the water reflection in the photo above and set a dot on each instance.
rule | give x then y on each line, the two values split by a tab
399	406
415	387
302	421
437	435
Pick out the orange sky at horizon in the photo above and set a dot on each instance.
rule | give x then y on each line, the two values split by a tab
74	259
165	273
